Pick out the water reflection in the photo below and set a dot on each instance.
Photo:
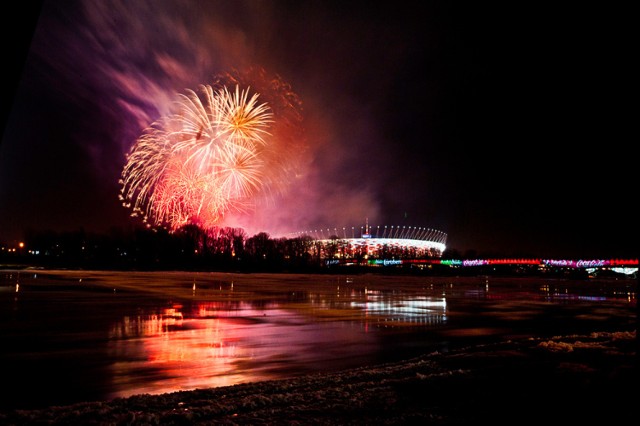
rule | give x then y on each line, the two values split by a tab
223	343
115	334
401	308
210	344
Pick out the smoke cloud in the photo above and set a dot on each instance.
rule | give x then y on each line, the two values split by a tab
125	62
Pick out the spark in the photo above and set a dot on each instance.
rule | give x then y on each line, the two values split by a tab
221	151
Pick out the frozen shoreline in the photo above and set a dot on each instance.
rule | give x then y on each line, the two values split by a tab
566	378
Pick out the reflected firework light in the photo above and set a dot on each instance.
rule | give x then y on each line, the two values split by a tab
223	152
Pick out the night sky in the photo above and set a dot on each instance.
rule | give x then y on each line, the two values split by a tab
506	126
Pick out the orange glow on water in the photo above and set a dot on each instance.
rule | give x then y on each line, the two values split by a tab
217	345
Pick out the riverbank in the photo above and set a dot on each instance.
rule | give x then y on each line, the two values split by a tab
578	378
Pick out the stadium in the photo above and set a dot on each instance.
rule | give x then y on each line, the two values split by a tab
377	243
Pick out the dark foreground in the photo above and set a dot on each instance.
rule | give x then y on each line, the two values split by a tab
582	379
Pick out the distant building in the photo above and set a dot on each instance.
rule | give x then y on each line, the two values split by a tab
378	242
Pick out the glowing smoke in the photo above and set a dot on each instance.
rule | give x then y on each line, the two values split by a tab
126	61
222	153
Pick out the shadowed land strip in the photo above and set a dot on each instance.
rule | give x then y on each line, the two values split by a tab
566	378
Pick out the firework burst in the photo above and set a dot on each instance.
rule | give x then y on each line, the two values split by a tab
224	150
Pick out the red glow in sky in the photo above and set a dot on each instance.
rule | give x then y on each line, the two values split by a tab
468	118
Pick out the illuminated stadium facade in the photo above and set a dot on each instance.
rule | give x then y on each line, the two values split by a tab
385	243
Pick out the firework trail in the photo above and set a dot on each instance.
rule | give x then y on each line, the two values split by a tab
225	150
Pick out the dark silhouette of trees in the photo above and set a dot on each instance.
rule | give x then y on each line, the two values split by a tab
192	248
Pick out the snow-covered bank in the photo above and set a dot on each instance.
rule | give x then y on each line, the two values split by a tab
578	378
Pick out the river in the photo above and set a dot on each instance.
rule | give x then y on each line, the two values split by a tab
74	336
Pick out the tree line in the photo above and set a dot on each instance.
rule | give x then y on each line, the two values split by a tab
189	247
